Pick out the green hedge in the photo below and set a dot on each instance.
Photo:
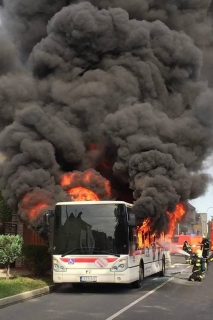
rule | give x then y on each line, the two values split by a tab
36	259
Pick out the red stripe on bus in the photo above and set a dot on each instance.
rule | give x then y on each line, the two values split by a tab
137	252
142	251
87	260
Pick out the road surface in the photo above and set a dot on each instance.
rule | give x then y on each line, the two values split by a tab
171	297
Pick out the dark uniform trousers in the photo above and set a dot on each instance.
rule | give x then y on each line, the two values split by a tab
199	267
205	246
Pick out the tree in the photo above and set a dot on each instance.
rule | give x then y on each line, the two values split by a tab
10	250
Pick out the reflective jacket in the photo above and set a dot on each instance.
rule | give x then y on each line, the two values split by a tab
187	247
199	264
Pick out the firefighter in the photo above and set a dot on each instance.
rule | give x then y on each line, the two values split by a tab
199	266
205	246
187	248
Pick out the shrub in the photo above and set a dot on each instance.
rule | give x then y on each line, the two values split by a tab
10	250
36	259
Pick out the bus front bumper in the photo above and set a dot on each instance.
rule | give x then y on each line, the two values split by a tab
94	276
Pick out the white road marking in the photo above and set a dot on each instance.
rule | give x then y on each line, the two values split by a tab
115	315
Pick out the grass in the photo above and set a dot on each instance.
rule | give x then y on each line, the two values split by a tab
22	284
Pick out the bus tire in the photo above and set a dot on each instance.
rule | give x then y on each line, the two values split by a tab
162	272
138	283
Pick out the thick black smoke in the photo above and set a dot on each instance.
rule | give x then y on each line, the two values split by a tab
101	77
26	21
191	16
194	17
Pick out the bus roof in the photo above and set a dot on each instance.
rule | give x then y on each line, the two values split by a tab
72	203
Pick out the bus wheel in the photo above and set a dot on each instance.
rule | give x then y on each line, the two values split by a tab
162	272
138	283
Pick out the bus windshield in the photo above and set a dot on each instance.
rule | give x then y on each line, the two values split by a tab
90	229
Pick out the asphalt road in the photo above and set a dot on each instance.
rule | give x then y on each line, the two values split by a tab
171	297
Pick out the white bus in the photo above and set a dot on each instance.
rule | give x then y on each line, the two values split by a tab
98	242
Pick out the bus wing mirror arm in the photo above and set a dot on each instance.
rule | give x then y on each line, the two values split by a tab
47	216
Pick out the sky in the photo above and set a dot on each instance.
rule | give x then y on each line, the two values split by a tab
205	203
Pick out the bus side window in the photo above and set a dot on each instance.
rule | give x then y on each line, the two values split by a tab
131	234
147	239
133	239
153	241
131	229
140	239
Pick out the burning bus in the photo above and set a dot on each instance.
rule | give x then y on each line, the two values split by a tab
99	242
109	111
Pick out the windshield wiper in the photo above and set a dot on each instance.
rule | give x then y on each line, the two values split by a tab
70	251
84	250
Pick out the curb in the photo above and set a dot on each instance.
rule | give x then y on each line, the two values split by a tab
5	302
27	295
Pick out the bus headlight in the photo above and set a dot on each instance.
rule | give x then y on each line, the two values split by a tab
58	267
120	265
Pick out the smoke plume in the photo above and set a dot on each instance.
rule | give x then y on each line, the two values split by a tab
124	76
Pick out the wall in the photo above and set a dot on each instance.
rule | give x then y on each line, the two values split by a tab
29	236
203	222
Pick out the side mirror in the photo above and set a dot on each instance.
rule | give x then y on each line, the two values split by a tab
47	216
132	220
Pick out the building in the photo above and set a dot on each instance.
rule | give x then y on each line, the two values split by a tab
186	226
193	223
203	223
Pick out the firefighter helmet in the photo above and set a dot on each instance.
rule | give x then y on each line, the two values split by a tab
199	253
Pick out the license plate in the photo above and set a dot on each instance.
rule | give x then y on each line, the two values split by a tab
88	279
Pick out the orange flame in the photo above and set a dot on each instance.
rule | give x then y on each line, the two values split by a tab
32	209
145	226
175	217
82	194
66	179
143	235
36	209
77	183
